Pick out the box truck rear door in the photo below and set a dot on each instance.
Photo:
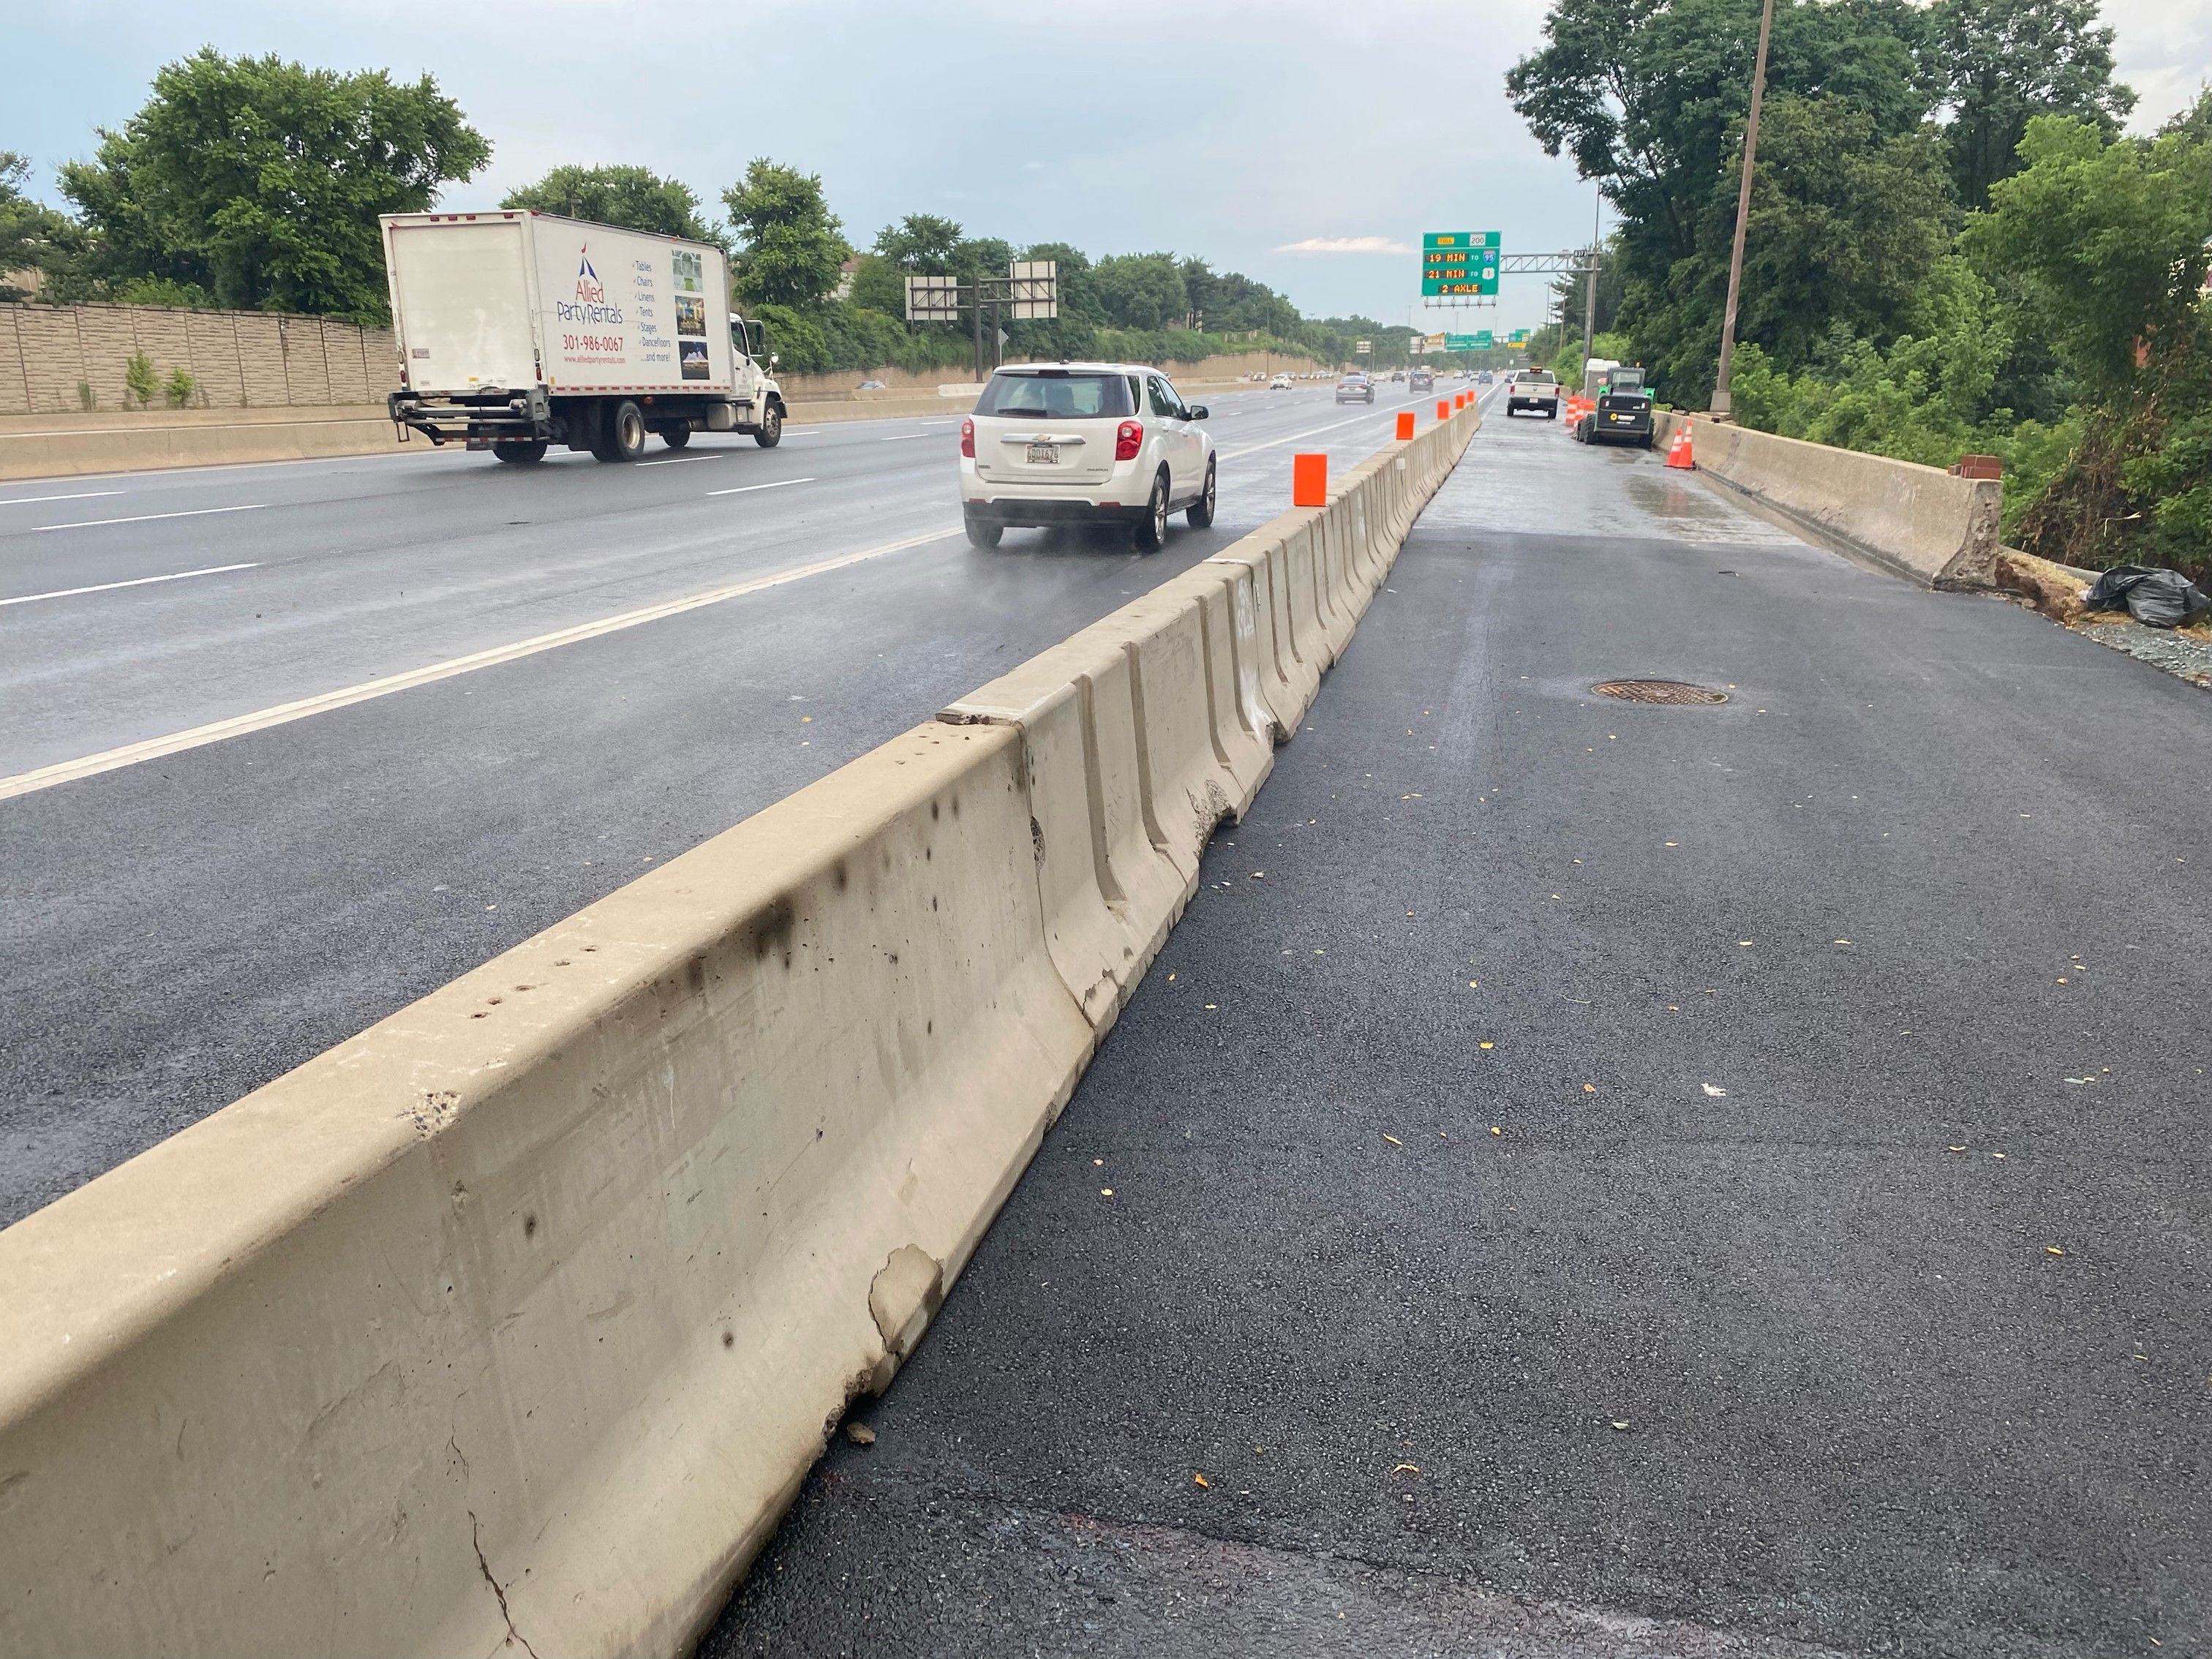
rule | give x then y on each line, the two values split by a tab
464	304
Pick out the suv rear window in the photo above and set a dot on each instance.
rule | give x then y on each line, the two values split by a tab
1057	395
1536	377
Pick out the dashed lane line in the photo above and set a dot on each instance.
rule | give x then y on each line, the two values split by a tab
136	581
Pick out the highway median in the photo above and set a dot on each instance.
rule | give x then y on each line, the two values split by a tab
518	1318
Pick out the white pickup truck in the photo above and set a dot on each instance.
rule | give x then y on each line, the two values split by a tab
517	331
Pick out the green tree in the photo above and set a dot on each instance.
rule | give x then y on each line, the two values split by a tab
635	198
2001	63
1646	94
259	181
1140	290
791	247
33	237
2108	240
922	244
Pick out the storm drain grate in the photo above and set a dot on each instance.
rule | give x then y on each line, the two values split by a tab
1676	692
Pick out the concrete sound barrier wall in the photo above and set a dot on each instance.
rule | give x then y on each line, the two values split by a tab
1925	525
518	1318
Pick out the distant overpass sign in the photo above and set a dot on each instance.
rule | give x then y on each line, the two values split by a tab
1480	340
1459	264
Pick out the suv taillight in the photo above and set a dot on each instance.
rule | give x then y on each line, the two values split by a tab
968	439
1128	438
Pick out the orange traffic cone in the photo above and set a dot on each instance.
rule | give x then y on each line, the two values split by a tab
1678	453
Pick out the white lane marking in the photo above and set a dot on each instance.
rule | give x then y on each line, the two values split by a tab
901	437
743	490
1312	432
800	431
79	495
678	460
148	518
111	760
136	581
940	423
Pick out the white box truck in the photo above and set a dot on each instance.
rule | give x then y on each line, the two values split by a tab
517	331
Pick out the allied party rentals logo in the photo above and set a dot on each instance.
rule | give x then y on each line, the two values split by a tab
588	290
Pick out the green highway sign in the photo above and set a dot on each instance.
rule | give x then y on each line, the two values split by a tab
1519	337
1481	340
1459	263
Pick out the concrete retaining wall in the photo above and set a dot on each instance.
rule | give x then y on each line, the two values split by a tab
1918	522
523	1313
60	359
56	447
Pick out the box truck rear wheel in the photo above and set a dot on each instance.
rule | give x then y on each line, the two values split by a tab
625	433
522	451
676	436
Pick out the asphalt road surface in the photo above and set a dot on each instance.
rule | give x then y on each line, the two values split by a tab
1597	1179
181	928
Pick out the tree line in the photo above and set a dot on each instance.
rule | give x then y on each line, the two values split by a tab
1952	246
255	183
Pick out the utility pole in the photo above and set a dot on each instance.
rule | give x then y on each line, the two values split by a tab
1720	408
1589	302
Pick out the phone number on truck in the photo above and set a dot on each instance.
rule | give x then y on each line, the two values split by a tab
591	342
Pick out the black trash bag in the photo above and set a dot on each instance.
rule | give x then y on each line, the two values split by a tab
2156	598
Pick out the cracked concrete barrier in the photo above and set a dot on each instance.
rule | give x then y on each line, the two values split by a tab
516	1320
526	1310
1922	523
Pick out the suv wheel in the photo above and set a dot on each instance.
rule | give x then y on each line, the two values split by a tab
982	533
1202	510
1152	528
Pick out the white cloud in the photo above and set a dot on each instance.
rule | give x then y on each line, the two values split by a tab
1345	244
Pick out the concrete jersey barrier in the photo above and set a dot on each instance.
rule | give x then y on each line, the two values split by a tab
520	1316
1918	522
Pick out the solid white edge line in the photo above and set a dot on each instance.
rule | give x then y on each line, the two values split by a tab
136	581
148	518
111	760
744	490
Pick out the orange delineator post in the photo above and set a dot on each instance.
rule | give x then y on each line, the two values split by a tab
1310	481
1443	409
1405	424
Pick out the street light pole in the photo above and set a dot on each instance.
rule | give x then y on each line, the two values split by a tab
1721	400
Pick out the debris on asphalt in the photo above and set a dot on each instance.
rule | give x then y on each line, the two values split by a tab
859	1434
1717	1093
1199	1480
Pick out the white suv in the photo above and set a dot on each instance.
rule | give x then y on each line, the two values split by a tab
1084	443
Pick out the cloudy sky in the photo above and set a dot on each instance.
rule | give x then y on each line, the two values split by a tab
1308	142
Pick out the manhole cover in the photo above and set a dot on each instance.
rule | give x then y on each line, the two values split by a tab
1669	692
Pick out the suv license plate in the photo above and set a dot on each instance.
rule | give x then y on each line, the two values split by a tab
1044	454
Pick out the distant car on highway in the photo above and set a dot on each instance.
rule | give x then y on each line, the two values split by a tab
1084	444
1396	375
1533	389
1483	378
1355	389
1282	383
1421	380
872	385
